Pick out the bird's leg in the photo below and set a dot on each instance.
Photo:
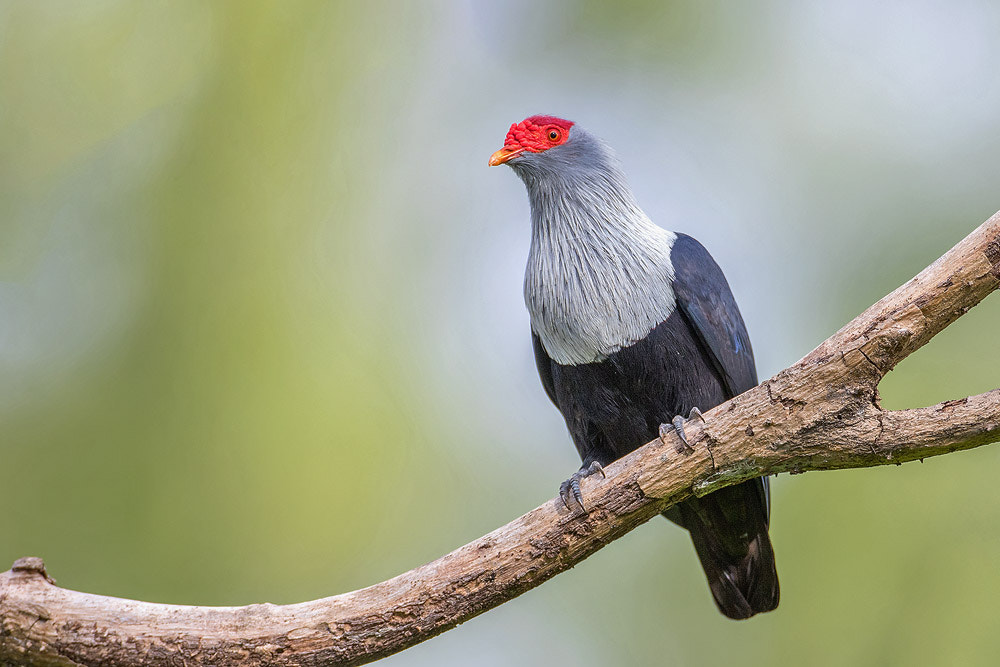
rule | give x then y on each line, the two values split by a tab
677	424
571	487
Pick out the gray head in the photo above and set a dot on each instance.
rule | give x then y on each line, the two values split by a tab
599	271
557	158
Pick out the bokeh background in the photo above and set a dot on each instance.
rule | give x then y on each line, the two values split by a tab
261	328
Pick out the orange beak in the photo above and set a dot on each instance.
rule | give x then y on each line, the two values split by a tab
505	154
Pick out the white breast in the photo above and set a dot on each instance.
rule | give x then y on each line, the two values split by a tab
594	293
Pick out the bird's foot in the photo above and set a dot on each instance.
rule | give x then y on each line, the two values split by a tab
571	487
677	424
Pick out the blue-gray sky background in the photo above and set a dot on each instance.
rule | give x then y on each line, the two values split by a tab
261	328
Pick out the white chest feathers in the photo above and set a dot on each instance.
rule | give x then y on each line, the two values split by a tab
593	294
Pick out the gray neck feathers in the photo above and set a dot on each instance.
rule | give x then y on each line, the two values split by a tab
599	274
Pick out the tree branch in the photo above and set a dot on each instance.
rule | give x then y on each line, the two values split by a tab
822	413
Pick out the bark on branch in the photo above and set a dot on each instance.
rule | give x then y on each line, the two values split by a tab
822	413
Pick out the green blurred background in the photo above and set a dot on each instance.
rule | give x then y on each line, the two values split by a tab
261	330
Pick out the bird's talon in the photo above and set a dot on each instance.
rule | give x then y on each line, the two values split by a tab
676	424
665	430
571	487
564	494
696	414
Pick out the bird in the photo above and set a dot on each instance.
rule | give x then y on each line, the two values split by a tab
633	327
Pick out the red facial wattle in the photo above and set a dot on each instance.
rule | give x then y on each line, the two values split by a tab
534	135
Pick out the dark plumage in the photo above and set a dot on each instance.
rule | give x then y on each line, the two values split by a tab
631	326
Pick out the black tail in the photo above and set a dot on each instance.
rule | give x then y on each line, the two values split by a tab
729	531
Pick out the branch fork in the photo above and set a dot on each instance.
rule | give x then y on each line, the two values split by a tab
821	413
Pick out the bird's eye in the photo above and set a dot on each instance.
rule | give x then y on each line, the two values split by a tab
553	135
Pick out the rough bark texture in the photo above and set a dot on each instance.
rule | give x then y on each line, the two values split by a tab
821	413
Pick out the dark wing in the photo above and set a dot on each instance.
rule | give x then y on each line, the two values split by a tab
544	364
707	303
729	526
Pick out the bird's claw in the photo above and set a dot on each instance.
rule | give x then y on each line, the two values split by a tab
571	487
677	424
